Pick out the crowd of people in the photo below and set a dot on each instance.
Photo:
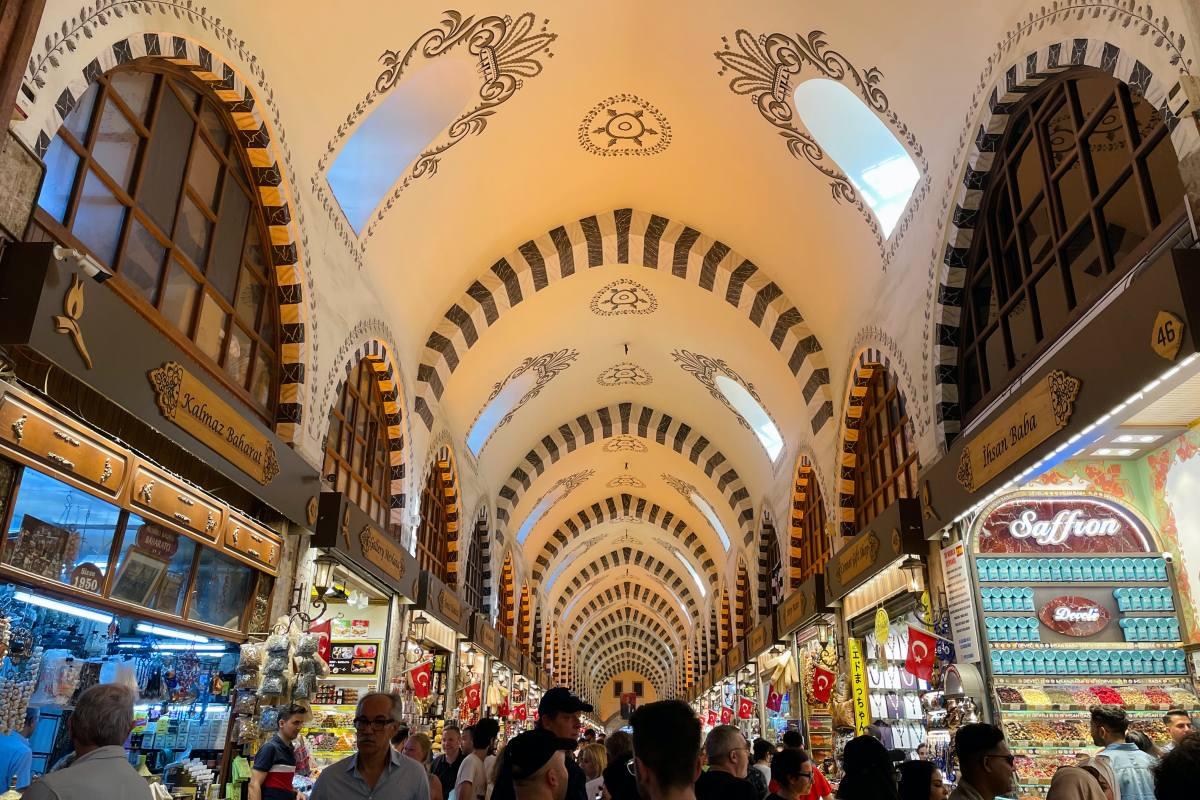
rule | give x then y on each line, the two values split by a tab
663	759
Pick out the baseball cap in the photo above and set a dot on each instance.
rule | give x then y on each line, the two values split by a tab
527	753
560	700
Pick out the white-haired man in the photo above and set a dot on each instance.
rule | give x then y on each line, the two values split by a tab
376	771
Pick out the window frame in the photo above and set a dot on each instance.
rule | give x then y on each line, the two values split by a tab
882	435
814	548
473	588
361	395
433	535
1030	124
232	163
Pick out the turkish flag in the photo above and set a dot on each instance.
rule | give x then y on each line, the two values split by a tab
421	677
503	710
745	708
822	684
322	630
472	695
774	700
712	718
521	712
922	648
726	715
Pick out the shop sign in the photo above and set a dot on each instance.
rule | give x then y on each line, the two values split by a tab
191	405
157	541
759	639
792	610
896	532
960	605
857	557
858	686
883	626
485	636
450	607
1065	524
1167	336
382	552
1037	415
1074	616
353	658
88	577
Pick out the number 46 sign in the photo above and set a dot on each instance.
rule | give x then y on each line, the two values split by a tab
1167	336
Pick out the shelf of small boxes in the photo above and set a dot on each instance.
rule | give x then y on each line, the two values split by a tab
330	733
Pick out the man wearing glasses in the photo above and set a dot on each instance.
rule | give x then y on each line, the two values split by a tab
986	765
728	761
376	771
792	770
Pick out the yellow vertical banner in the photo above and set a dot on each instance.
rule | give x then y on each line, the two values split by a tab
858	686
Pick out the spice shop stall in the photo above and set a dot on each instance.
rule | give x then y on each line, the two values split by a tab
808	668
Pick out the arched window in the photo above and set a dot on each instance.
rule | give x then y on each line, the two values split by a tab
473	584
770	572
810	532
885	461
357	448
148	175
504	599
727	631
1084	182
433	538
745	605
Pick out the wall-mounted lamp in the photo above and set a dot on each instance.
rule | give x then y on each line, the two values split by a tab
915	568
418	626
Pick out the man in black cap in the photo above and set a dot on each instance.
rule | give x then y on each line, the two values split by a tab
535	765
558	714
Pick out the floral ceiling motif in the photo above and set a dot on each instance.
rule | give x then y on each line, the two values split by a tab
624	125
706	369
626	373
626	480
624	444
623	297
543	368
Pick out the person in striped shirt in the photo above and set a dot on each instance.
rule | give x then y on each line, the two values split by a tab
275	762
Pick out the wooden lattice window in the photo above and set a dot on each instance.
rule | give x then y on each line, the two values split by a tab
433	538
504	599
148	174
810	530
745	604
357	448
473	584
1084	183
773	591
885	466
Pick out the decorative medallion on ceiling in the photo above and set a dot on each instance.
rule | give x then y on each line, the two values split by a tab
737	394
624	125
509	395
764	67
626	373
624	444
626	480
506	51
623	297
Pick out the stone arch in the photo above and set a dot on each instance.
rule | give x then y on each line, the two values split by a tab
628	613
382	361
614	508
630	593
266	171
608	640
628	660
480	539
627	557
626	237
505	595
986	131
442	460
804	486
743	602
621	425
628	648
770	586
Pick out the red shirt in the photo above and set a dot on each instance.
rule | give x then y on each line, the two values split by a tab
820	786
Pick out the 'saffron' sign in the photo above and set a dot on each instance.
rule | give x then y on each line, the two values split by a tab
1032	419
194	407
1062	524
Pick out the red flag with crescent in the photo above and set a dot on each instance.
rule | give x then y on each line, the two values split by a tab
521	712
745	709
503	710
712	718
472	695
921	653
822	684
421	678
726	715
774	700
322	629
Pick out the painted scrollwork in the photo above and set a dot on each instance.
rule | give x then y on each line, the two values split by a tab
706	369
1063	391
547	367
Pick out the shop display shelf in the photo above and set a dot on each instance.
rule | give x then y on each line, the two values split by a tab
1032	747
1020	708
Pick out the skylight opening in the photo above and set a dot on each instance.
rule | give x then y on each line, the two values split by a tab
712	518
872	157
539	511
691	571
498	408
755	415
396	130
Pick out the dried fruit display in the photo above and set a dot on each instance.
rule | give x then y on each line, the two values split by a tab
1008	694
1152	727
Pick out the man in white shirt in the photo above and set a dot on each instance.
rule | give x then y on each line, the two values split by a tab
472	775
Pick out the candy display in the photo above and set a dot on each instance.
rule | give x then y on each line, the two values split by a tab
1044	732
1092	661
1072	569
1150	629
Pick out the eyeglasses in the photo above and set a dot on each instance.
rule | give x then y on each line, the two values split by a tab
377	724
630	768
808	776
1012	760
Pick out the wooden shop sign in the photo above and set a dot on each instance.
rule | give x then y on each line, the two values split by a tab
382	552
191	405
484	635
760	638
1035	417
450	607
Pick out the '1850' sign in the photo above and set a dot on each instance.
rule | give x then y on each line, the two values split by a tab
194	407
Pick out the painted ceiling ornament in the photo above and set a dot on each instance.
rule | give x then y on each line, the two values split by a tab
624	125
626	373
765	68
706	369
626	480
624	444
623	296
546	367
678	484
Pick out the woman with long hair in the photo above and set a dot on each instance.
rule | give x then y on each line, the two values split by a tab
922	780
593	758
867	771
419	748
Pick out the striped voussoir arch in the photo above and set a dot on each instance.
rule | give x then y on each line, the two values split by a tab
608	640
622	619
806	491
655	670
629	593
383	364
626	556
617	507
595	612
505	608
274	195
626	237
1165	94
483	540
743	608
443	462
523	614
726	631
626	419
712	644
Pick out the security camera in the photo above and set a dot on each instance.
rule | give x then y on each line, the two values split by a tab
84	261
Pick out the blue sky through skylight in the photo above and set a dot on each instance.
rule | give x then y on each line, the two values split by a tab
873	159
760	421
396	130
712	518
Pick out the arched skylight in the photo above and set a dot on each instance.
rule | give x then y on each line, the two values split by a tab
498	408
712	518
396	130
873	159
754	414
688	566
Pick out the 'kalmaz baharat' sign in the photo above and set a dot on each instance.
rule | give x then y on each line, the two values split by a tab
1067	524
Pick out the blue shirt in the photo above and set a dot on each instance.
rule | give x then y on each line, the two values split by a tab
15	759
402	779
1132	768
